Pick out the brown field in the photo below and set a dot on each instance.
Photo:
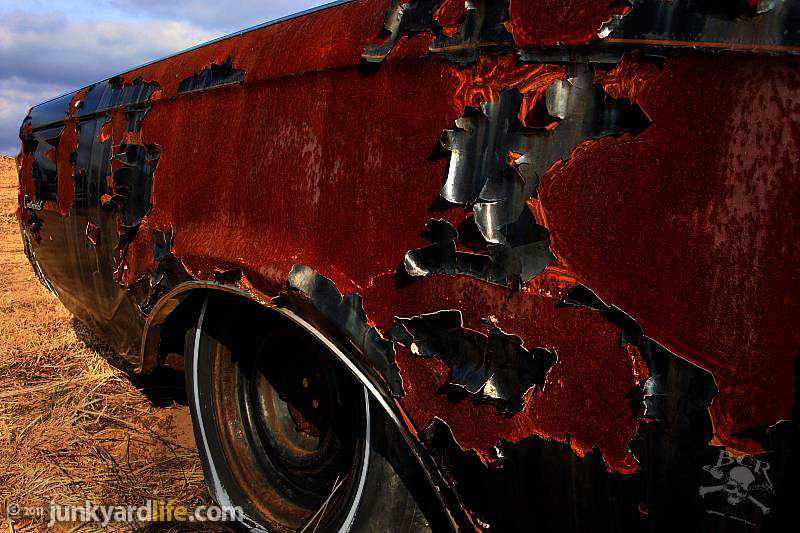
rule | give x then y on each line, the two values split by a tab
73	425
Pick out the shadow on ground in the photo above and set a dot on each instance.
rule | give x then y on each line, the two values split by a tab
163	386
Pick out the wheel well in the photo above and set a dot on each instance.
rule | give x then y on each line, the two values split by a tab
171	343
177	313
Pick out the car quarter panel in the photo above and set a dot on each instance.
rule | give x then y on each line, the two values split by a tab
298	143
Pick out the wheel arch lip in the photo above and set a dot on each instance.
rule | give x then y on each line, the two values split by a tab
358	367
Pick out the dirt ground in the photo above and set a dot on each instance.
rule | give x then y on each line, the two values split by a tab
73	426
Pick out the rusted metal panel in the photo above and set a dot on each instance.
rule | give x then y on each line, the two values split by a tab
619	210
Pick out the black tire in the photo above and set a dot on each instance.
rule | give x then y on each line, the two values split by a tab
275	449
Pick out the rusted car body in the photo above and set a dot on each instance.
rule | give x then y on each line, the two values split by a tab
557	240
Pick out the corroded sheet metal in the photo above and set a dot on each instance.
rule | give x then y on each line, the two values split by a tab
613	207
346	313
721	221
214	75
493	367
459	29
169	271
442	257
754	26
496	165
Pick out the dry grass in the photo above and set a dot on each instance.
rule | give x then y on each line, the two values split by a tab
74	427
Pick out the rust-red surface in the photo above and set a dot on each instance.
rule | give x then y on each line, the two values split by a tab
92	234
684	227
687	226
542	23
67	146
450	15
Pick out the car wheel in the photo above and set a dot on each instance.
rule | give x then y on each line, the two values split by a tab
290	438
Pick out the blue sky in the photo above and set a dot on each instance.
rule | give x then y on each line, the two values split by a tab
50	47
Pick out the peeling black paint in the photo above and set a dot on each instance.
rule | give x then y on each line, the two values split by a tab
43	144
346	314
480	170
134	181
495	368
672	445
671	377
169	271
129	200
483	28
484	176
113	93
40	134
672	441
772	26
214	75
403	19
441	257
536	481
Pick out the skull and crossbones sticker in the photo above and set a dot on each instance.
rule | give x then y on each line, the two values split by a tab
737	482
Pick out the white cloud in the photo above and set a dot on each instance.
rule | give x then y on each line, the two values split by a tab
49	48
52	48
42	56
237	15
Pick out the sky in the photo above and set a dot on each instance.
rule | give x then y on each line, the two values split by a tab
48	48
